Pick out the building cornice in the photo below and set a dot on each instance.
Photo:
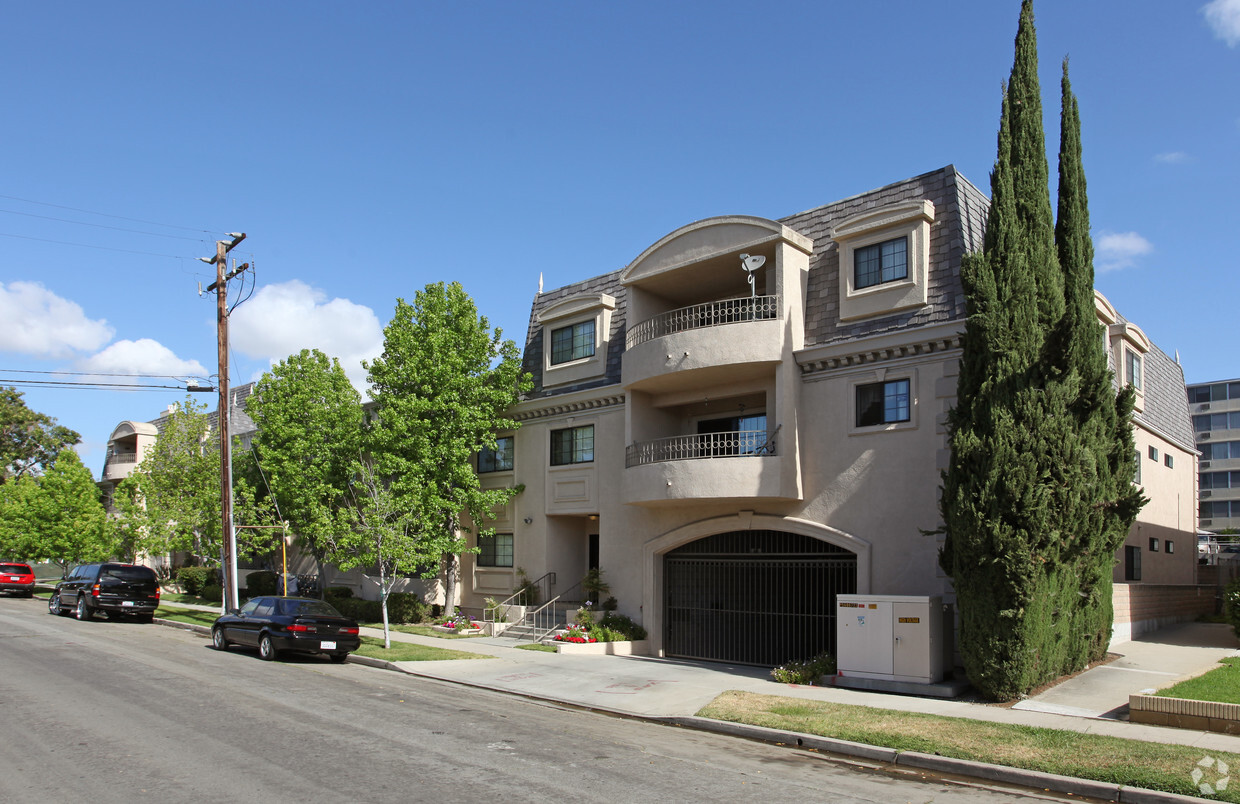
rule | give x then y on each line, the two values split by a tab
935	339
565	404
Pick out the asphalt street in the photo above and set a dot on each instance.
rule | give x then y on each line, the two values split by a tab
105	711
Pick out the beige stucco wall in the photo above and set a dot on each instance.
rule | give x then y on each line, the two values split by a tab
1170	515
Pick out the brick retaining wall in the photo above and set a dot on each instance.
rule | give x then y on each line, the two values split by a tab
1141	608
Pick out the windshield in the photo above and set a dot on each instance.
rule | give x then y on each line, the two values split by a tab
15	569
125	572
307	608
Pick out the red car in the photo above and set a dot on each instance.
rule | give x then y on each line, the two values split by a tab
17	578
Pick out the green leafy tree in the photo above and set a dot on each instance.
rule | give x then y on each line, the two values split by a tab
309	420
179	481
19	526
29	441
1031	499
381	536
72	524
441	389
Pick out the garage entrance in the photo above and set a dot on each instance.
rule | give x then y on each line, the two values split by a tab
754	596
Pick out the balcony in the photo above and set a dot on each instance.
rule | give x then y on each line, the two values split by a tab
119	465
742	443
737	466
710	343
710	314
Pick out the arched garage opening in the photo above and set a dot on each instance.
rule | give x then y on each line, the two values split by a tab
754	596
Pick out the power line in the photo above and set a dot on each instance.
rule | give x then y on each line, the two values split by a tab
95	374
87	245
103	226
106	215
88	386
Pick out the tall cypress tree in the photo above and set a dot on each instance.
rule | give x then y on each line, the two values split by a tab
1021	497
1103	419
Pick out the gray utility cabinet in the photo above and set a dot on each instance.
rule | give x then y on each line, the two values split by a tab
892	637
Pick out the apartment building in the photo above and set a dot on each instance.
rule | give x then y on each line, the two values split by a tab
749	419
1215	408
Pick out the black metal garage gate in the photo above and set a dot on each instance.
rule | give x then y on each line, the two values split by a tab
754	596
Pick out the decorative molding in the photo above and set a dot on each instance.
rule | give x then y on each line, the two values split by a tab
560	408
868	356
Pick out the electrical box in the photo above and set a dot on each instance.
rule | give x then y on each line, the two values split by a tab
891	637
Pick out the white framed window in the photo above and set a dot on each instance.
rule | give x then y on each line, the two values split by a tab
575	332
880	263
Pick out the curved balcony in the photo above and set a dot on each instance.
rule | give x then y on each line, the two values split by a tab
717	342
710	314
119	465
739	465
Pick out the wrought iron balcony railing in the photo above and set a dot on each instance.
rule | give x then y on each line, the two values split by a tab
710	314
741	443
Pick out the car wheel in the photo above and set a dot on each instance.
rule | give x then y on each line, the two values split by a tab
53	604
338	657
82	612
218	640
266	648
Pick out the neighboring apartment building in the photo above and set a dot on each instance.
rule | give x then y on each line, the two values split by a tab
1215	407
734	444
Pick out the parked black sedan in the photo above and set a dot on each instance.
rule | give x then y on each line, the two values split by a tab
293	624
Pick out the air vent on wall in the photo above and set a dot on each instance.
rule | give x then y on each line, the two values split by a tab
1204	465
1206	493
1203	436
1204	406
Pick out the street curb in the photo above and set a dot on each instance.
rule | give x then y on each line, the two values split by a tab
1036	780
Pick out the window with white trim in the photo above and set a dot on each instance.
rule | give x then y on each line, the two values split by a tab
880	263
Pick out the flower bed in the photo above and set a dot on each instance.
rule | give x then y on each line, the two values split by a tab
458	624
576	634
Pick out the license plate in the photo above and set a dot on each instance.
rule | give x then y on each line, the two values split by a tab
126	603
326	645
15	577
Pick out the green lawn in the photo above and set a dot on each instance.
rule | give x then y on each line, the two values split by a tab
538	646
1086	756
420	630
1222	685
411	652
187	615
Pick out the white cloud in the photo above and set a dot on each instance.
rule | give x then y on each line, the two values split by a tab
1171	158
283	319
143	356
1118	250
1224	17
38	322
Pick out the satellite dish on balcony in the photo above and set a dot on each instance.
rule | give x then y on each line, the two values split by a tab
749	265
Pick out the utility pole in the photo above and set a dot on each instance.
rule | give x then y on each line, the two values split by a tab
223	413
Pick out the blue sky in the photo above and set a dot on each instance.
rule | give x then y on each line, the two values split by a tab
368	149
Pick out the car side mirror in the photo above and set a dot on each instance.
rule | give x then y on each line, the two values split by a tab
237	612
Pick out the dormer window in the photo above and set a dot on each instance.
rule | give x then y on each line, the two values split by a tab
1132	369
574	342
884	259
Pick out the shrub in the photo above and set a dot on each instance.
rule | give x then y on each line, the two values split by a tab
623	625
593	585
193	579
263	582
405	607
805	671
212	592
1231	604
610	604
337	592
584	617
527	590
494	612
364	611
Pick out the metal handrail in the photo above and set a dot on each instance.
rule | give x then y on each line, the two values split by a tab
735	444
710	314
123	457
544	619
488	615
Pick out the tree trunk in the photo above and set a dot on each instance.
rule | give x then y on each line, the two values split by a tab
449	586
